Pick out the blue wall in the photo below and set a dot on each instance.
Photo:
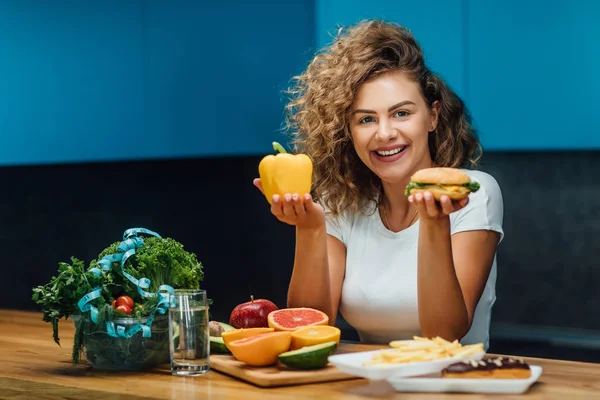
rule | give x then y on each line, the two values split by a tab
132	79
533	73
528	69
136	79
440	33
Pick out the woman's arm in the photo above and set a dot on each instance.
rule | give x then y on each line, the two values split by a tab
452	273
318	273
320	259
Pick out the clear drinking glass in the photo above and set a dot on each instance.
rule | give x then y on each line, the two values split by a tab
188	333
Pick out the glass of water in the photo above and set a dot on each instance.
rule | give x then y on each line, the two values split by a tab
188	333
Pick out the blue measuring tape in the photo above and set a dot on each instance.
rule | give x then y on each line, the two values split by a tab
131	242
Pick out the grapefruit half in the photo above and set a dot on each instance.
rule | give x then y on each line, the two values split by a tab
290	319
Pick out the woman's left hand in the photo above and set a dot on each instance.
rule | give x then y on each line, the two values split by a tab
431	209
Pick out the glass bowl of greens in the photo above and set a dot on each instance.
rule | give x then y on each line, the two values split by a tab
134	268
135	353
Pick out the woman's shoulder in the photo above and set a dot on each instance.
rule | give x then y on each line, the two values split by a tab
481	177
488	185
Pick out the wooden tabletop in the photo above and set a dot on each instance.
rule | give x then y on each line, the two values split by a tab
33	366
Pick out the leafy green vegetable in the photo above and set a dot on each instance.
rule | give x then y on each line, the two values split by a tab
413	185
163	261
473	186
59	297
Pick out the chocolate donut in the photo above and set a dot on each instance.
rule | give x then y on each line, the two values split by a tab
491	368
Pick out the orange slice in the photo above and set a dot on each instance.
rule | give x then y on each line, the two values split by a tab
237	334
312	335
261	350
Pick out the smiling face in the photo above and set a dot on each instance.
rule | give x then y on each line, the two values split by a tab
390	125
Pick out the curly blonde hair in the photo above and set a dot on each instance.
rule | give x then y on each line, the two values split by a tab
317	115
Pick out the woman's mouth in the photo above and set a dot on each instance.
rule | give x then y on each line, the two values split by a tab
389	155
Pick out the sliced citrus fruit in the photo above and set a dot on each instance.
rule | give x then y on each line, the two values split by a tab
261	350
290	319
309	357
311	335
236	334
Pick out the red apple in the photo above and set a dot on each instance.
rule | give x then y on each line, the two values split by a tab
252	314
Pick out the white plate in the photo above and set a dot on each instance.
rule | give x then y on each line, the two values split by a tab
436	384
351	363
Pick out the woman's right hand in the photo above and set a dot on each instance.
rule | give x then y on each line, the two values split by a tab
293	209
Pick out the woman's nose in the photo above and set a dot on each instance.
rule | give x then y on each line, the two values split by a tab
385	131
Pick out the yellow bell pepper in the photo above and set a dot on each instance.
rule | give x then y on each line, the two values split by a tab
285	173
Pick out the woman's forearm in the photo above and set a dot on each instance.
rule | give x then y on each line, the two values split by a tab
310	283
442	308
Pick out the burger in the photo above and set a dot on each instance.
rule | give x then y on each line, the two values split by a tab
451	182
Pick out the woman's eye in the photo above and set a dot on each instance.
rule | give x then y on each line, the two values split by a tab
366	120
401	114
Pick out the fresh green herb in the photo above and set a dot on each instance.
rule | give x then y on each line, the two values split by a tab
59	297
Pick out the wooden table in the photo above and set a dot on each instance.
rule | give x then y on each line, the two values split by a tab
33	366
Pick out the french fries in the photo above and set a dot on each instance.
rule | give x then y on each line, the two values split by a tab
422	349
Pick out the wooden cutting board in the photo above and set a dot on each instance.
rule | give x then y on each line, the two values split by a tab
278	375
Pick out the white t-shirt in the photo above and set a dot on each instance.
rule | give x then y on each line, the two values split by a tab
379	292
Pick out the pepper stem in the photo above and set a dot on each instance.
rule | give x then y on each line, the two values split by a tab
251	299
278	147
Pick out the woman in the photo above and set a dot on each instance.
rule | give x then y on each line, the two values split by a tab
370	114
